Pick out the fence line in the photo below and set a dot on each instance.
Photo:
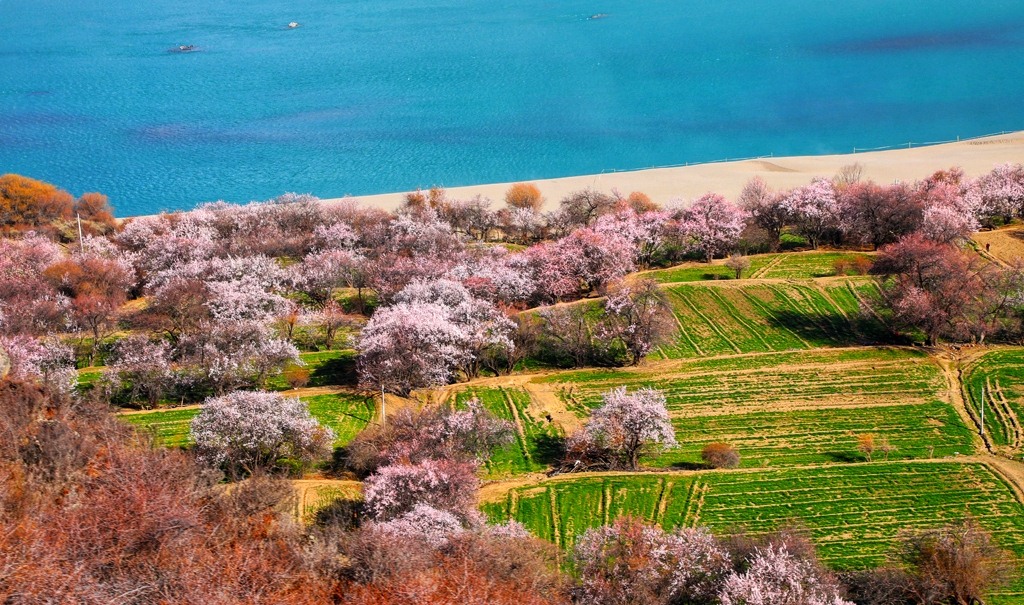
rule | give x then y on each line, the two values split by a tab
911	144
907	145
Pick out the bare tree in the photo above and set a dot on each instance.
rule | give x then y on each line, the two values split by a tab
849	174
566	332
955	564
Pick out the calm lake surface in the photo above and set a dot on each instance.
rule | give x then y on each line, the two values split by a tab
369	97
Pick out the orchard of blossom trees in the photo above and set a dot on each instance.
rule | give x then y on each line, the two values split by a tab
217	307
183	306
200	303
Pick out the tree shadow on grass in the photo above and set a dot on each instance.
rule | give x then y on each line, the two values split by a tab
339	371
834	330
548	449
846	457
682	465
343	513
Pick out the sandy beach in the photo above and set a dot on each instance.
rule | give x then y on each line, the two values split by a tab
975	156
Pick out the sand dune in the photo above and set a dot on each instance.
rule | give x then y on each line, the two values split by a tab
662	184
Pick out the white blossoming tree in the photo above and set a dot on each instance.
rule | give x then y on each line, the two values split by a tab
248	431
628	425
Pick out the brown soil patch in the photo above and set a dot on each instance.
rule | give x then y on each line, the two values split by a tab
544	401
1006	245
494	491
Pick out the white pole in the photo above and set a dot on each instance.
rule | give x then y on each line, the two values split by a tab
982	410
81	244
383	405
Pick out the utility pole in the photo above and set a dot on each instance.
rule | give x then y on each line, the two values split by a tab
982	410
81	244
383	405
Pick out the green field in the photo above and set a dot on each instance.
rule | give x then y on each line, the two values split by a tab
793	408
170	427
791	265
1000	374
756	316
853	512
536	441
326	368
345	413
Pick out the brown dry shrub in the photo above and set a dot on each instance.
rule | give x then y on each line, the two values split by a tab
90	513
471	569
720	455
640	202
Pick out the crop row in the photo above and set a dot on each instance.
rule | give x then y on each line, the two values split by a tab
813	379
791	265
852	512
537	439
1000	376
794	408
767	316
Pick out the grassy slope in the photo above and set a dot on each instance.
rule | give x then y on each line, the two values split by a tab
788	265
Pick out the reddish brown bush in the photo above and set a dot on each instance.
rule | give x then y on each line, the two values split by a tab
90	514
640	202
27	203
524	195
860	265
720	455
955	564
96	213
470	569
296	376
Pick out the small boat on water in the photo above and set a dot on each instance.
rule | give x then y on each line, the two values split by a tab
185	48
293	25
597	16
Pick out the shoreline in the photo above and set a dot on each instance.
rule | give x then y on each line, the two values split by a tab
975	156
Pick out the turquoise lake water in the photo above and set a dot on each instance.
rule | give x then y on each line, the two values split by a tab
368	97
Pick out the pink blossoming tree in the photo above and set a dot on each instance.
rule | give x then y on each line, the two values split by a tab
711	226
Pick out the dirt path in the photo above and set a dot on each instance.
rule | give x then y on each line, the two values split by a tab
951	370
1005	246
1010	470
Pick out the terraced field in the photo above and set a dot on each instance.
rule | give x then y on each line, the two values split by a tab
1000	375
763	316
537	439
795	407
170	427
853	512
345	413
789	265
